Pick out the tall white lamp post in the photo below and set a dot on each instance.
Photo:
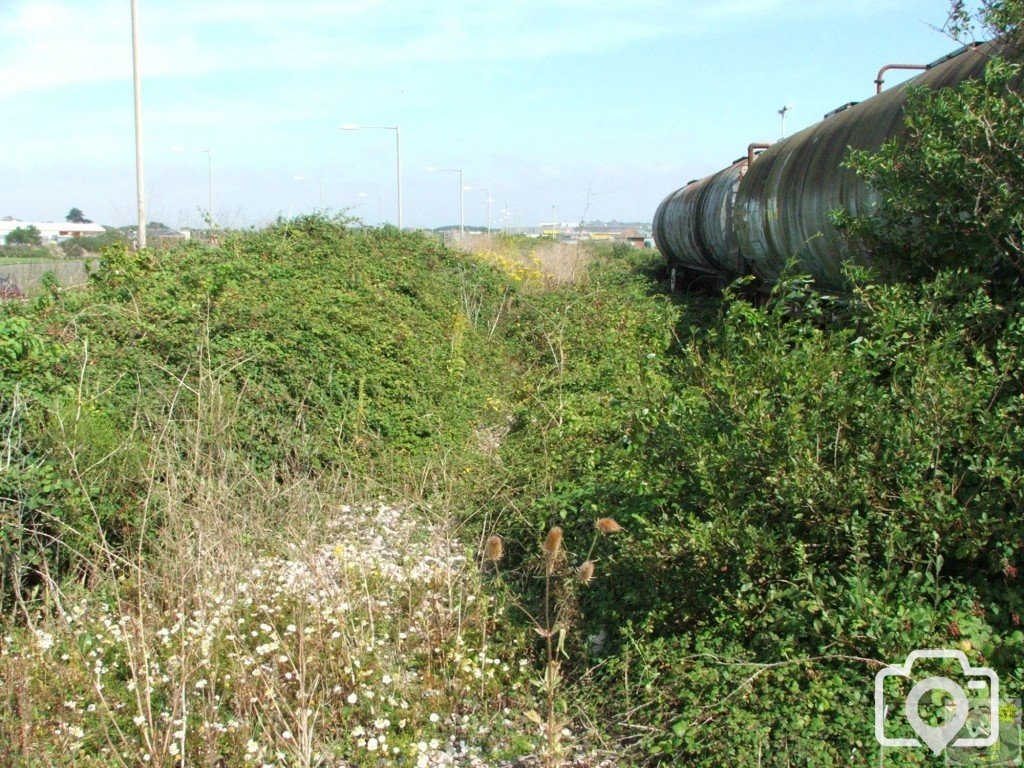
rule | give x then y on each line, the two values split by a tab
140	190
487	192
209	176
398	155
462	208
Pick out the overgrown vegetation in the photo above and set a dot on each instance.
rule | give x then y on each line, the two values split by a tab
805	499
949	187
15	254
323	496
331	350
77	247
191	568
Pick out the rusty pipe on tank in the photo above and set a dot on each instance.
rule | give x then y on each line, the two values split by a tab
751	148
879	81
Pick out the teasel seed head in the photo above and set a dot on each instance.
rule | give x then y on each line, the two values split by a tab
586	571
494	549
607	525
553	542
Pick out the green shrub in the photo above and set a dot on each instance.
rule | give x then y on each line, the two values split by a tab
77	247
810	488
305	347
951	188
24	236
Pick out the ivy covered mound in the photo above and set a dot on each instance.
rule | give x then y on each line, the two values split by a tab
306	347
328	337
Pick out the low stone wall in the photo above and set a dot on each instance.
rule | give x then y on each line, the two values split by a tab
27	276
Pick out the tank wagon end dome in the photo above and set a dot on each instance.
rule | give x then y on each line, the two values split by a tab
693	225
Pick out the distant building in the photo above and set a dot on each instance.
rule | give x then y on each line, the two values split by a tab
51	231
168	234
590	230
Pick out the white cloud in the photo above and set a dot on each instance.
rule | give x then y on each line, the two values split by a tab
52	43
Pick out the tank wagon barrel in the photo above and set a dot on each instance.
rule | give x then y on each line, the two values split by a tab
695	221
757	214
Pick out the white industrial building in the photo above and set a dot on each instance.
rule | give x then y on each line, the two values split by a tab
50	231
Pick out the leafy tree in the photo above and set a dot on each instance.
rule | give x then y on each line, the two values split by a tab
29	235
952	188
996	18
75	216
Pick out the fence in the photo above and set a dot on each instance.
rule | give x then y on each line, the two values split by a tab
27	275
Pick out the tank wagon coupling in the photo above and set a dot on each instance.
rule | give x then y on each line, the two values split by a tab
775	205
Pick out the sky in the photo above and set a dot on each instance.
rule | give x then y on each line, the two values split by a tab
556	109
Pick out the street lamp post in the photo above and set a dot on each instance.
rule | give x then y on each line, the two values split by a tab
398	155
487	191
209	176
462	208
783	112
137	85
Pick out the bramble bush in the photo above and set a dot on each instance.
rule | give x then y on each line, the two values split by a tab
184	577
306	347
810	488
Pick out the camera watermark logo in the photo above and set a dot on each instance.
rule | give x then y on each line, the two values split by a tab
981	683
